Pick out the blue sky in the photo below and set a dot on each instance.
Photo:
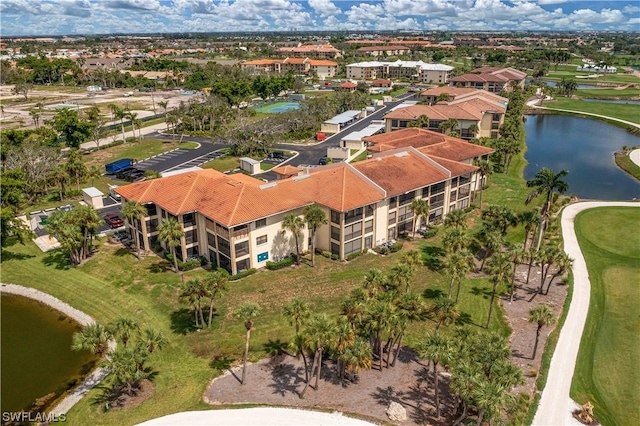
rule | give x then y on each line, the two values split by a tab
58	17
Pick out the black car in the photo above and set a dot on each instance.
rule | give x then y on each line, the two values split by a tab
323	161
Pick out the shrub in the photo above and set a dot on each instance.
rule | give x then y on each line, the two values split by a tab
430	232
395	247
273	266
335	257
203	261
382	250
189	265
326	254
356	254
243	274
157	248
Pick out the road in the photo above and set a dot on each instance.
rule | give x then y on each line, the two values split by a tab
556	405
307	154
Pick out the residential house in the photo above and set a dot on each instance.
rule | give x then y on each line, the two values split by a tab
236	220
491	79
320	67
483	111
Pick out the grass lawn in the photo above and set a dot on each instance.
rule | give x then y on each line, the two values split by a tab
620	111
223	164
613	93
607	371
625	163
568	71
266	166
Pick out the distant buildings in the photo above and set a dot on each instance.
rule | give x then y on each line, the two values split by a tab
321	67
491	79
311	51
383	50
414	70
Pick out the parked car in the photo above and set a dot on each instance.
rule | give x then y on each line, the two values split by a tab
113	220
323	160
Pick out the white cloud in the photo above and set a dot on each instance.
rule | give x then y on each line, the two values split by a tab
551	1
324	8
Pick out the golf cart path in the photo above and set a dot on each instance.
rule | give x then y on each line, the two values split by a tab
635	156
556	406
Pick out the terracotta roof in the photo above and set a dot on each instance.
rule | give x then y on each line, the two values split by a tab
348	85
428	142
480	78
402	170
381	48
316	62
286	170
456	168
439	112
236	199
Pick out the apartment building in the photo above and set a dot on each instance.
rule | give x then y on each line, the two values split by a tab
320	51
484	110
321	67
391	50
453	94
235	220
491	79
412	70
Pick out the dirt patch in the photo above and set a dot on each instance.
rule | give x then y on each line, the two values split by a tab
279	383
140	394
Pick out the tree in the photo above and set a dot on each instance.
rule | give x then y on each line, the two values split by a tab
75	167
530	220
297	312
163	105
448	126
457	264
22	89
192	292
542	315
214	284
420	122
420	209
498	217
439	350
121	114
35	116
134	213
123	329
484	170
455	240
444	311
153	340
97	123
546	182
562	262
318	335
474	130
71	127
170	232
491	240
10	225
499	270
246	312
314	217
94	338
456	219
294	224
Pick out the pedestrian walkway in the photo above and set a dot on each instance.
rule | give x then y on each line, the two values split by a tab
556	406
635	156
130	134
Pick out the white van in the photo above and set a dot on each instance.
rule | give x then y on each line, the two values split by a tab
113	193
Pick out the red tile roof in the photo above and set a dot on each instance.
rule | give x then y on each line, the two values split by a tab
286	170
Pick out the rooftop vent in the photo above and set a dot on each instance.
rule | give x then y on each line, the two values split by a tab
401	154
268	185
301	177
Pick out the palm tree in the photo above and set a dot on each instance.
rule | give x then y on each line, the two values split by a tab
121	114
318	335
457	264
134	212
499	269
542	315
163	105
374	281
517	255
35	115
444	311
489	397
491	240
456	219
546	182
379	314
124	329
420	209
546	257
153	340
246	312
192	292
455	240
562	262
358	355
439	350
170	232
400	275
499	217
294	224
92	337
421	122
530	220
214	284
298	312
448	126
314	217
473	129
343	338
412	258
485	168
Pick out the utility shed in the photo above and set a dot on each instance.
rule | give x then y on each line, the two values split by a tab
93	197
249	165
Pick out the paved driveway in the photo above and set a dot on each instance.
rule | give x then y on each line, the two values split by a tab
180	158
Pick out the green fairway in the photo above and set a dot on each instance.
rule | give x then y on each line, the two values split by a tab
607	372
608	93
621	111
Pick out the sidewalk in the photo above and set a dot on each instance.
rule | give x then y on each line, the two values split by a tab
130	134
556	405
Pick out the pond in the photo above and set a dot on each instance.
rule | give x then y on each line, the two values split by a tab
37	359
585	148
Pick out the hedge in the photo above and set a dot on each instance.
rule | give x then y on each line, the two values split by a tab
395	247
356	254
273	266
243	274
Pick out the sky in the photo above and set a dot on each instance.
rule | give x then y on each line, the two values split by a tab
68	17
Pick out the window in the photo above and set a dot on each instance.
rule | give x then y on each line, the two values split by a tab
495	126
335	233
225	262
352	231
368	242
495	117
404	214
391	233
466	178
212	257
425	192
191	237
435	215
463	191
353	215
494	135
453	196
188	220
437	188
352	246
151	209
211	240
368	211
335	249
393	201
335	216
223	246
152	225
368	226
392	218
192	252
260	223
394	123
262	239
242	265
407	198
463	204
242	249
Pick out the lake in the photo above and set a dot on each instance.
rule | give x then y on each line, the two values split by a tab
37	359
585	148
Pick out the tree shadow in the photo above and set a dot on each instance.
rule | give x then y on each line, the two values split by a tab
286	378
431	257
159	267
9	255
221	362
58	259
430	293
464	318
122	251
477	291
183	321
